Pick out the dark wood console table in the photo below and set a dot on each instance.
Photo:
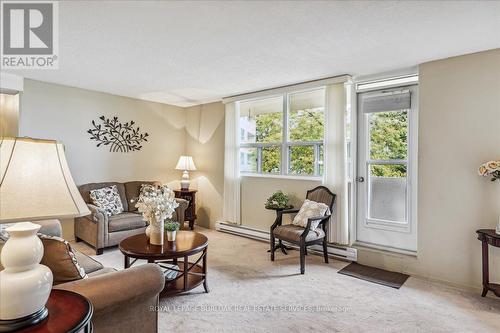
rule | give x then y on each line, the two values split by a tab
488	237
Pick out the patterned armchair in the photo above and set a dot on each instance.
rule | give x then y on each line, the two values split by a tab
304	237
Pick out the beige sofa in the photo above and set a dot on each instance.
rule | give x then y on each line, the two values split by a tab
118	307
101	231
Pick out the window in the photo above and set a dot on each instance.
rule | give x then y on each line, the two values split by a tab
264	123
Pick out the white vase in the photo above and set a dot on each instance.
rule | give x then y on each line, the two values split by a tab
171	235
25	285
148	230
156	232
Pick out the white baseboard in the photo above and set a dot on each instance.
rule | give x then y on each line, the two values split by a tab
337	252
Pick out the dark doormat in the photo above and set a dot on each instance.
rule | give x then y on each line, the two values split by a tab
375	275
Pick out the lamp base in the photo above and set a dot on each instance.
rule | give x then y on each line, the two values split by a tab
30	320
185	180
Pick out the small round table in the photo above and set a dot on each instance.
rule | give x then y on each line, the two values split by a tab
187	243
68	312
281	246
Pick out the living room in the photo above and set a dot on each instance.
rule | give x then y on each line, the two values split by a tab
254	166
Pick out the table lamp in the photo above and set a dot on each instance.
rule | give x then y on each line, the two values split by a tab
186	164
35	184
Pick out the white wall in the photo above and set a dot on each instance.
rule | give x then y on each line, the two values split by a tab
9	114
205	142
255	191
459	128
64	113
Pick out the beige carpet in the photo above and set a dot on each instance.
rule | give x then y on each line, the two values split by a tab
249	293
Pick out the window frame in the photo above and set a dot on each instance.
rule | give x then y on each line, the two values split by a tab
285	143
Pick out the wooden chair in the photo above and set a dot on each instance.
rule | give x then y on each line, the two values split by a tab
304	237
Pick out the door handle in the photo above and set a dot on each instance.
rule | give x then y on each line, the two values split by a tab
360	179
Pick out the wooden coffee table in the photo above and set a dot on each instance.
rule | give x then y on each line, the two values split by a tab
187	243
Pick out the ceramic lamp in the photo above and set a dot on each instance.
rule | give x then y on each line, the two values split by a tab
186	164
36	184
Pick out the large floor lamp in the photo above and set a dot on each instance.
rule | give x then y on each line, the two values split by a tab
35	184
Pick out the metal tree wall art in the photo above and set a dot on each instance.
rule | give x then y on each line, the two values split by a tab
119	137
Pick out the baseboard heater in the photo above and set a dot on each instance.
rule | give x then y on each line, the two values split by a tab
337	252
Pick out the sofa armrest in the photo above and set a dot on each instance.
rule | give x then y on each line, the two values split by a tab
179	213
144	281
98	214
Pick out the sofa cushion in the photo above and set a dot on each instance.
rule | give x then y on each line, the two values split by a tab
86	188
291	232
87	263
60	258
125	221
108	199
132	191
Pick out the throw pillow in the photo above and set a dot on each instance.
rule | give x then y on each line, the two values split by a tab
60	258
108	199
310	209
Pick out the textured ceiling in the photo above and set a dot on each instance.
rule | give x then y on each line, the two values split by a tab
187	53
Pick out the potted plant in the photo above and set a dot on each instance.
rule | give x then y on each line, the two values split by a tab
171	228
278	200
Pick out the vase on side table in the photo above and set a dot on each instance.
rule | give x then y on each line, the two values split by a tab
171	236
156	231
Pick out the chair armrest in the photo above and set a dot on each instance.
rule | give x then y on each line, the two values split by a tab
322	219
119	288
289	211
98	214
279	217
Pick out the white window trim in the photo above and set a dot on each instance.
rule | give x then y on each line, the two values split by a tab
354	157
285	144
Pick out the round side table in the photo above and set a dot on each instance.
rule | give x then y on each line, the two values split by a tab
69	312
280	246
187	243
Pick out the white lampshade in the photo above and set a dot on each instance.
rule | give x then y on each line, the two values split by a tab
185	163
36	183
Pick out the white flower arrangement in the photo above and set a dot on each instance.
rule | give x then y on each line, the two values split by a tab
491	168
156	203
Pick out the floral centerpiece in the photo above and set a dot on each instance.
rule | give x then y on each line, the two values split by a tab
156	203
491	169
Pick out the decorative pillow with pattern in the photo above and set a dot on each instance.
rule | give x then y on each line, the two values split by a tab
60	258
310	209
108	199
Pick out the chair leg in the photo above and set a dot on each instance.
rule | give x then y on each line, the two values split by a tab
99	251
325	251
272	246
302	258
305	250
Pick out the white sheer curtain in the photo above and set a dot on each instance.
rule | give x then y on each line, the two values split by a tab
231	208
335	169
